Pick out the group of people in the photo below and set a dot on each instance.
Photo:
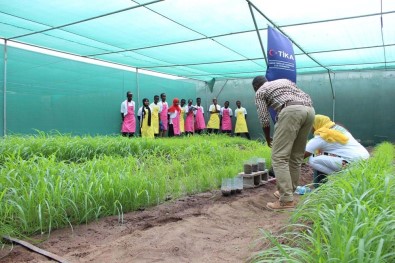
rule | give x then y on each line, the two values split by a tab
158	119
332	147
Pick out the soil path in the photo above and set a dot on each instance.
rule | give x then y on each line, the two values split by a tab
206	227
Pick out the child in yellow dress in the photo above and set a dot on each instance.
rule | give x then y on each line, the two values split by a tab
145	119
241	123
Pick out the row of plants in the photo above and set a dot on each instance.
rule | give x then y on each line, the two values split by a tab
48	182
351	218
77	148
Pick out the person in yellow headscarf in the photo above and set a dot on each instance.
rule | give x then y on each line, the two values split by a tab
323	127
214	123
335	145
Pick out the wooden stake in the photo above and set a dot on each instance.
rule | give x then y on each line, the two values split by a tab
36	249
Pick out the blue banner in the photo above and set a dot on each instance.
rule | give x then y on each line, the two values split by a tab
280	57
280	60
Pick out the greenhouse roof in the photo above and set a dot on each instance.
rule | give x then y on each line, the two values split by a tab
205	39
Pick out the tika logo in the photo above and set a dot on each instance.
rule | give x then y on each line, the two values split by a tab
280	53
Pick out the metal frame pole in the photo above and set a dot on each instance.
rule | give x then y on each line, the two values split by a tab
223	86
5	90
87	19
333	97
138	97
279	29
257	31
138	88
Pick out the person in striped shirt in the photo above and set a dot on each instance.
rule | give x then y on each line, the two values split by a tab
295	117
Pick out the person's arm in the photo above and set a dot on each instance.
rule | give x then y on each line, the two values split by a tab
263	115
211	109
122	111
262	109
139	113
266	131
307	154
314	145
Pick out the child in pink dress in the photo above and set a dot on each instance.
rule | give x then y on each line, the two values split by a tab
163	115
200	123
128	118
189	120
174	118
226	118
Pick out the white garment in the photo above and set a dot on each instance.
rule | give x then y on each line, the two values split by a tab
326	164
160	103
212	107
153	105
241	109
172	115
124	107
198	107
188	107
351	151
230	111
140	112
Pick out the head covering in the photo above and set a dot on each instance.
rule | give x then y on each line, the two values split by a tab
322	125
174	107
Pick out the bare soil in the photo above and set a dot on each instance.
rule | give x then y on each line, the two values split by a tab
206	227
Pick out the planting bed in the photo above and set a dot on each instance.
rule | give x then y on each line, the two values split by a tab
82	192
206	227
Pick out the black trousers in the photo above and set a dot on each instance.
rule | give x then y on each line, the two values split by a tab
246	134
319	178
171	130
128	134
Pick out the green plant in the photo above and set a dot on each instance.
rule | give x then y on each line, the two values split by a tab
349	219
48	182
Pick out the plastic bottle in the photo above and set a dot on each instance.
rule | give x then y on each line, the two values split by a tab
301	190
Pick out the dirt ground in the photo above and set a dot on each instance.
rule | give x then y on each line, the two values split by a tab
206	227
